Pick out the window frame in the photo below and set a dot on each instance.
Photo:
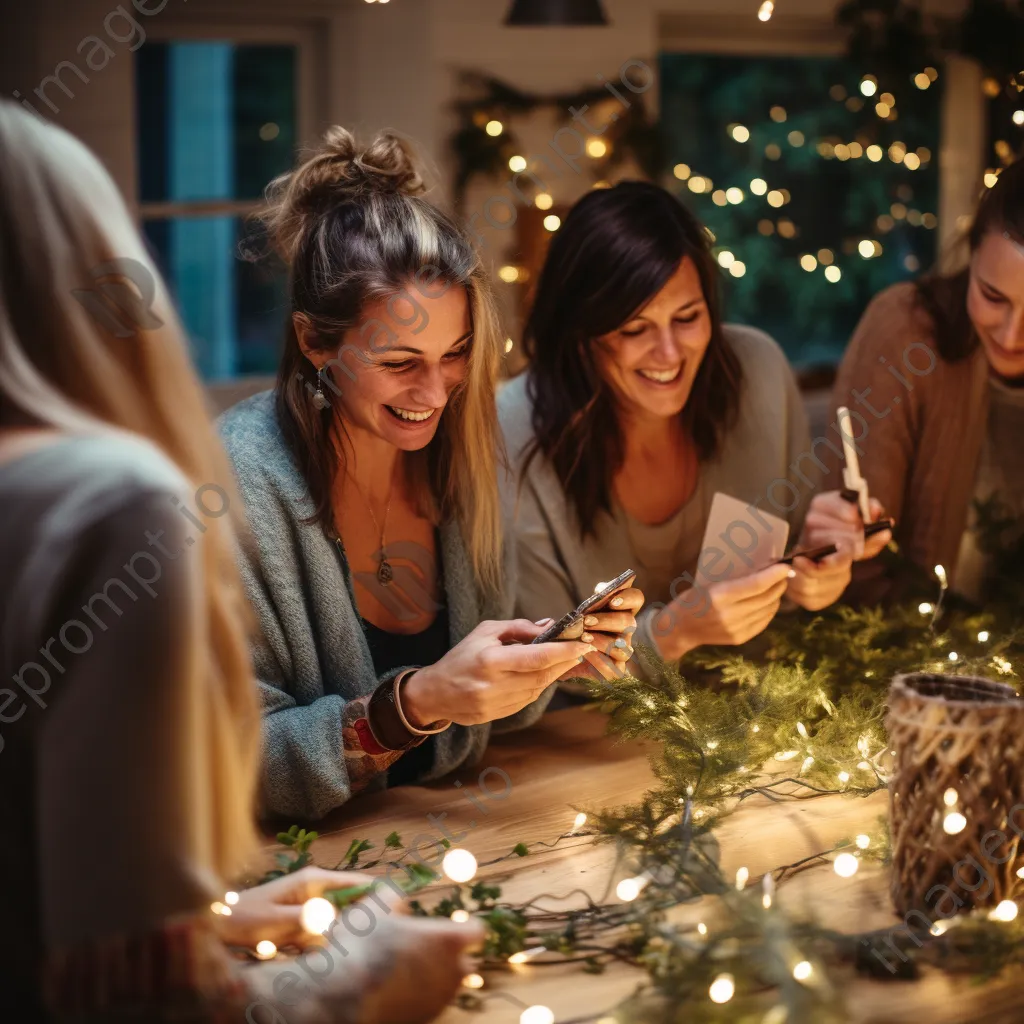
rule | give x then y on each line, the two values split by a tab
309	88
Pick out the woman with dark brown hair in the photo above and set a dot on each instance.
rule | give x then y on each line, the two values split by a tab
381	574
640	404
936	372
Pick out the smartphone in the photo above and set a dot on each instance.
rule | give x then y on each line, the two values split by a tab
594	603
814	554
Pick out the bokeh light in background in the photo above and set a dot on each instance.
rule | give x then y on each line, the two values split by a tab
806	186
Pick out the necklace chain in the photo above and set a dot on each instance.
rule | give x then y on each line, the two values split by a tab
385	574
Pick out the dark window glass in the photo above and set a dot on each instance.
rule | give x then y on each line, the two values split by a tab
216	122
803	126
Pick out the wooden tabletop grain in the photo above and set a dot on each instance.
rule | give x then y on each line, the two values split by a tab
529	787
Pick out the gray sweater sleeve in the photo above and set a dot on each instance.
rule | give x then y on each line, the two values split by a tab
303	769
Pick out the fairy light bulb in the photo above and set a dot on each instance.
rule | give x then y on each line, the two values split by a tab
629	888
526	955
459	865
803	970
802	729
473	981
579	822
231	898
983	636
953	823
925	608
845	865
266	950
953	656
940	574
1020	872
808	761
863	842
1004	911
742	876
786	755
537	1015
702	928
843	777
317	915
460	916
765	11
722	989
767	890
951	797
222	909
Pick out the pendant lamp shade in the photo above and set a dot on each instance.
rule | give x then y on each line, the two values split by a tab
556	12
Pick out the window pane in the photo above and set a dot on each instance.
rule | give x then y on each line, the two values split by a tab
784	143
215	120
234	310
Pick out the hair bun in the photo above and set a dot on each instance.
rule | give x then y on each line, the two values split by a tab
338	172
390	164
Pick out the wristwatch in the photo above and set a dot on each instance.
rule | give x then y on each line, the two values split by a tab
388	722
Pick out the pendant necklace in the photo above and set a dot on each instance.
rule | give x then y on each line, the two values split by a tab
385	574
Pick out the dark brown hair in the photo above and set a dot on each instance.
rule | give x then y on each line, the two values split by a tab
615	251
353	227
944	296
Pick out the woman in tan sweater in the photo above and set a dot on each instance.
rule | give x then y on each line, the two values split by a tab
935	378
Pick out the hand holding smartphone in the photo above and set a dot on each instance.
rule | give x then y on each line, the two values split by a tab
570	625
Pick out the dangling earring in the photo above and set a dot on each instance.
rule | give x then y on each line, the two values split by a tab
320	400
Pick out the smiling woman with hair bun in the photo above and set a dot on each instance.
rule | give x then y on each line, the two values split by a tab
382	575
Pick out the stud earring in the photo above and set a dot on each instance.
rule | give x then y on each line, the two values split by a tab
320	400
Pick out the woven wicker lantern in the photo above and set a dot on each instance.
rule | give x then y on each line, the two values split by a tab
957	777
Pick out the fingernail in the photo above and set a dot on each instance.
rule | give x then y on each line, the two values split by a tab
616	602
590	620
544	622
629	630
586	638
579	660
620	643
791	573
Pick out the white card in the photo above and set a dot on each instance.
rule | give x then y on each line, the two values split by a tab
739	539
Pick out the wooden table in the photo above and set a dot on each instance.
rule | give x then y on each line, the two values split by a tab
567	763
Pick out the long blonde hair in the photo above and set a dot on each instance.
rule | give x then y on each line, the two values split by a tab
353	226
61	218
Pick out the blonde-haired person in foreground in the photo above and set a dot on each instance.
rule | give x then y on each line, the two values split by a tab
382	574
129	730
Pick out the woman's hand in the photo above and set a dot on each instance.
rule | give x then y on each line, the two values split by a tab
611	632
272	911
729	612
833	520
402	970
819	584
493	672
428	964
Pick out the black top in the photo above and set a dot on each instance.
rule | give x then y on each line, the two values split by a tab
400	650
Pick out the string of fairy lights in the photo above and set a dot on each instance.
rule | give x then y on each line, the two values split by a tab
828	149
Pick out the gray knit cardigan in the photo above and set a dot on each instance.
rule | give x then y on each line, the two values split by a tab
310	653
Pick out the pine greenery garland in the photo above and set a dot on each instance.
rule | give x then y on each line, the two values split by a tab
807	700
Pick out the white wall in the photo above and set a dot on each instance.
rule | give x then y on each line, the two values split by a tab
395	65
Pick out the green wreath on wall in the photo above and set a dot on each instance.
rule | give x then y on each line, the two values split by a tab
478	152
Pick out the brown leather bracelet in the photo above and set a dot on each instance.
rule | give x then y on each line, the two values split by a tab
431	730
386	721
